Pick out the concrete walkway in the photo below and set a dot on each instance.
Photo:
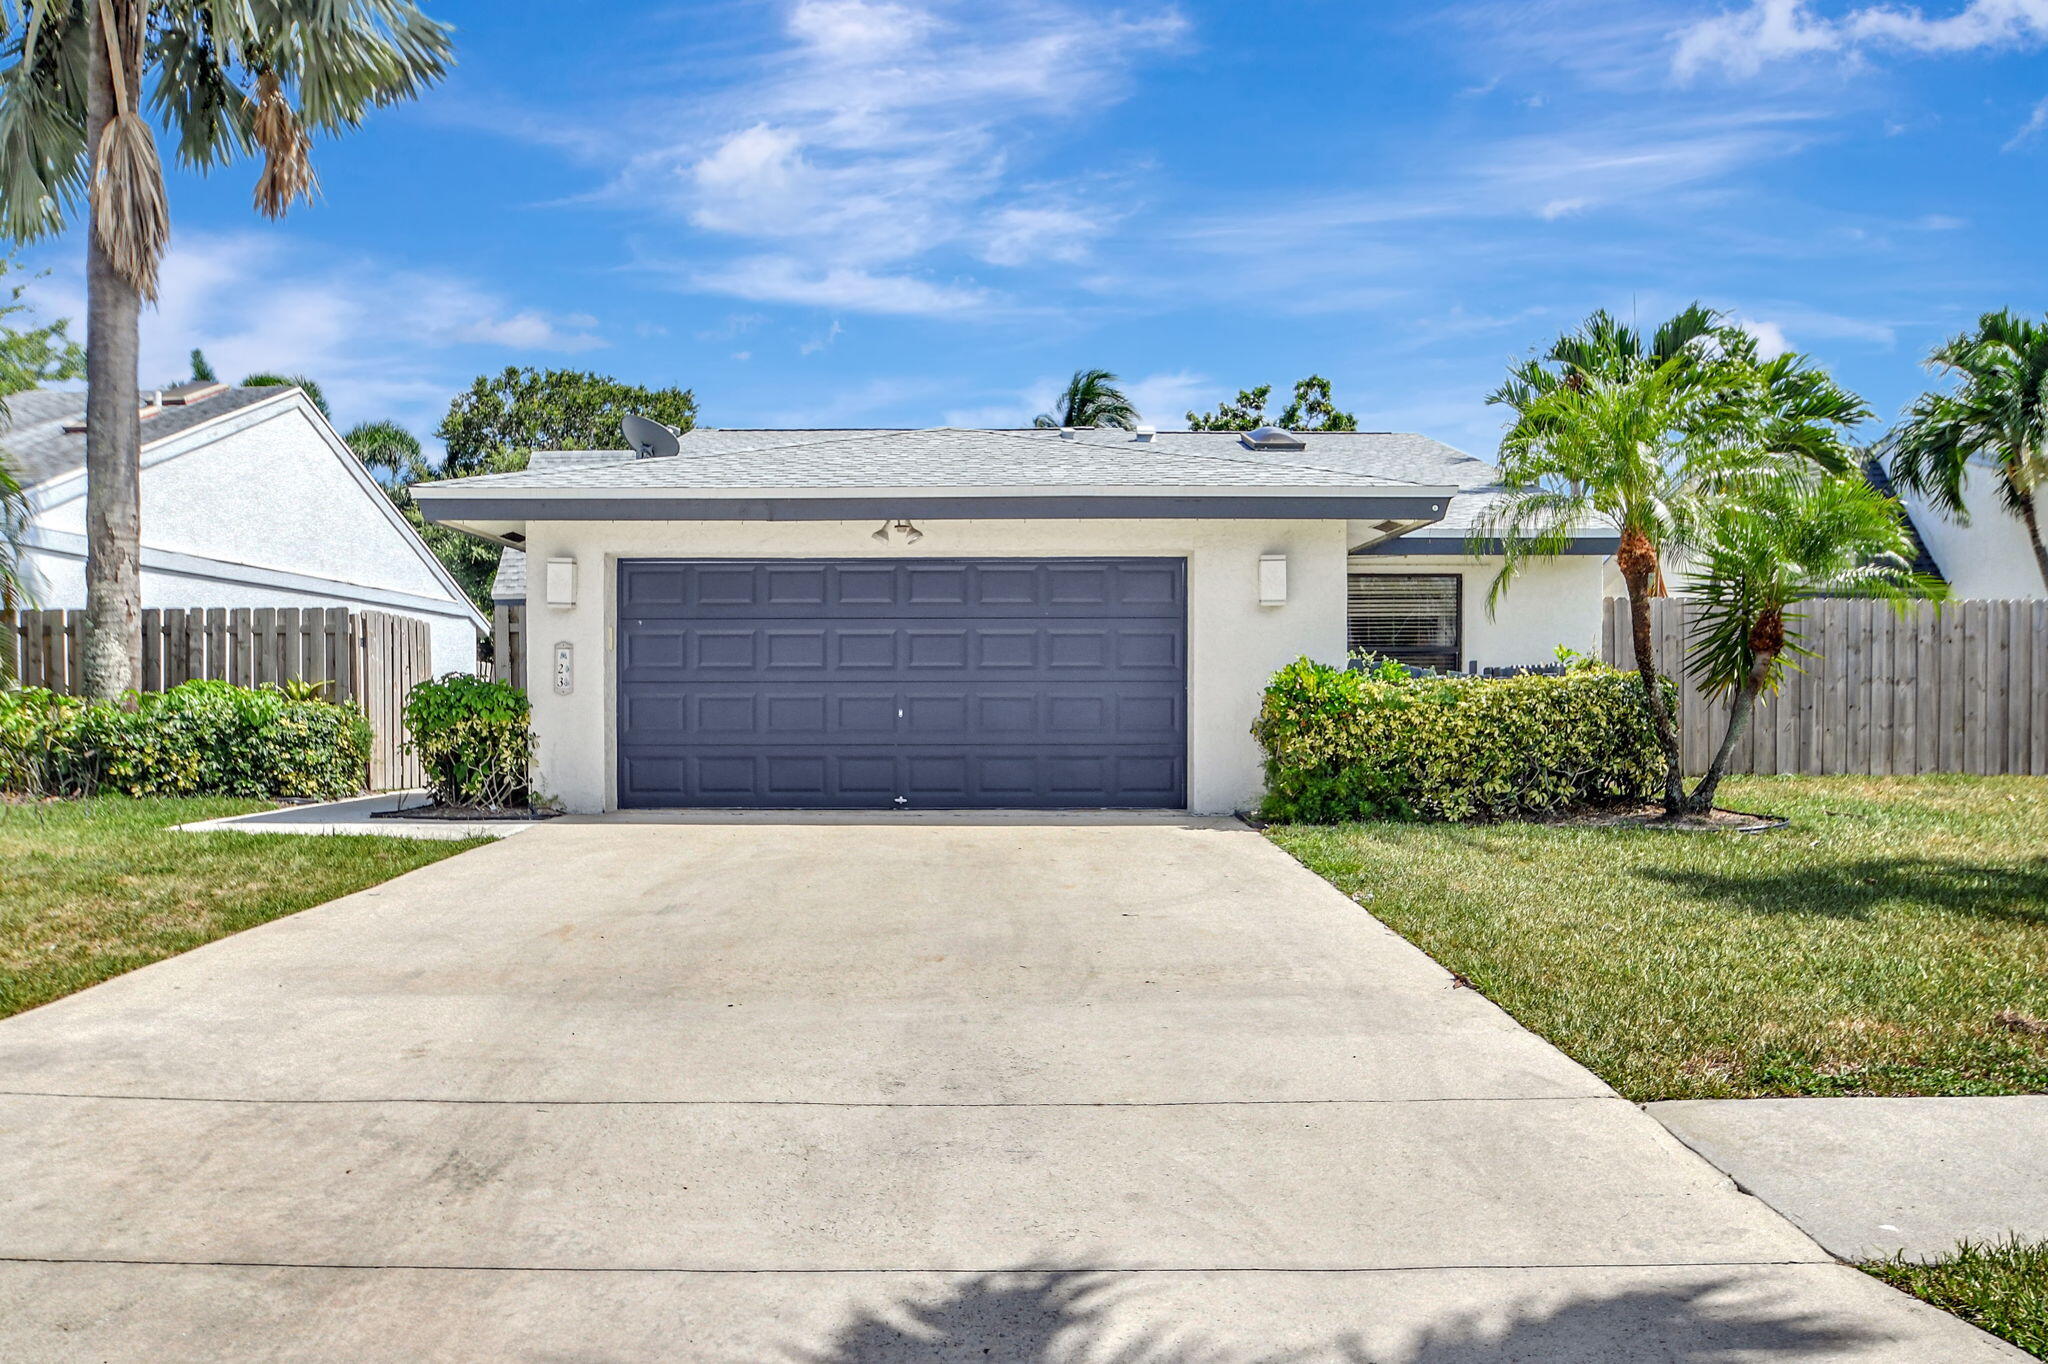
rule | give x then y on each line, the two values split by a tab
1871	1177
923	1089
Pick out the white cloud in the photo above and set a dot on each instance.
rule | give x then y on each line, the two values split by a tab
2036	121
788	279
1164	400
1744	41
380	342
877	138
1770	338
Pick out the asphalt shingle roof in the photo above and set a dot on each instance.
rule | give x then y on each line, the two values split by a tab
38	448
953	458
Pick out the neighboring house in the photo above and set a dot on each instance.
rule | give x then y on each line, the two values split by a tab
1990	557
969	618
249	499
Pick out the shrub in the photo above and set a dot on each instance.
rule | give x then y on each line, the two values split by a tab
201	738
1343	744
474	738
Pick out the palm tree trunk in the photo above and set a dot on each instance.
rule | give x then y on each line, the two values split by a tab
1701	801
1637	562
2030	515
113	437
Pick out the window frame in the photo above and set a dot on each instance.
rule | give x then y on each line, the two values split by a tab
1457	650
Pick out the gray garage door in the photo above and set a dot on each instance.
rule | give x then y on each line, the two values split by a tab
989	683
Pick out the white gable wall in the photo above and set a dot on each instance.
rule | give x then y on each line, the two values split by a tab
260	510
1990	557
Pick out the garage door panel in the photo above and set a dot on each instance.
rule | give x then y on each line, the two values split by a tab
969	683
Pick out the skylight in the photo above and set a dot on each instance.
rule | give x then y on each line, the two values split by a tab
1273	438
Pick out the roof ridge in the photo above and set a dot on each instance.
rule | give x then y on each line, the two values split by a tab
1203	454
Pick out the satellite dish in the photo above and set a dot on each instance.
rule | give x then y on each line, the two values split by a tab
649	438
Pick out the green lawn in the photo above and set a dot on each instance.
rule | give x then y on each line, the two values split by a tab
2002	1288
90	889
1892	940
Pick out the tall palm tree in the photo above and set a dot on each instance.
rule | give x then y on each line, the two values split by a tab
228	80
1791	532
1092	399
1997	417
1618	430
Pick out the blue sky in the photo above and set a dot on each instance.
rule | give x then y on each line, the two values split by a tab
866	212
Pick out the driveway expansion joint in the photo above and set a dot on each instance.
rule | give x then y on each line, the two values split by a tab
814	1103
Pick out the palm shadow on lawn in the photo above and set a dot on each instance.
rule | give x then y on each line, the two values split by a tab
1067	1317
1854	890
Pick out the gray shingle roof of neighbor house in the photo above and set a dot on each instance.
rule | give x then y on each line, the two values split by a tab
38	448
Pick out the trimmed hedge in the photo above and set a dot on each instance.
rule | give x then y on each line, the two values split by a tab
199	739
1342	744
474	738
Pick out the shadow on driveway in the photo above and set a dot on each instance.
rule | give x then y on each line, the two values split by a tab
1068	1317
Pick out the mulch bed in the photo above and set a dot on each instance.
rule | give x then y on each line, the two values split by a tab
461	814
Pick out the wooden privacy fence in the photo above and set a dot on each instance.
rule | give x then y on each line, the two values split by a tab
370	658
1959	689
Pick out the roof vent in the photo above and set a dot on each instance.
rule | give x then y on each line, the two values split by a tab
1272	438
1145	433
1068	432
198	391
152	403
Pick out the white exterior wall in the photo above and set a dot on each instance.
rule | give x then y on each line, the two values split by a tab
259	509
1990	557
1234	644
1552	601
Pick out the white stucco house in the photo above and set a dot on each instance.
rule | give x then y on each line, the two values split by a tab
249	499
1984	555
975	618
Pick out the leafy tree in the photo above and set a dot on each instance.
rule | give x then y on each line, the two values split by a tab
32	356
29	358
227	80
202	373
1091	399
1786	534
1617	429
298	381
522	410
1248	413
1310	410
1996	417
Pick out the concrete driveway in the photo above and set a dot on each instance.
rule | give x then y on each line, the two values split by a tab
935	1088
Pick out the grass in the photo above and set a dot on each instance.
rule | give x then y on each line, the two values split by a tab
1892	940
2002	1288
90	889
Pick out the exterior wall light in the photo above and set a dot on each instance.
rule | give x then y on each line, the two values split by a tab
1272	580
561	582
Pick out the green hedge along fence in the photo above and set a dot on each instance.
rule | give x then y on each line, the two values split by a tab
1345	744
205	738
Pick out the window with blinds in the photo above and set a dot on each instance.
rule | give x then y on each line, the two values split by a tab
1413	617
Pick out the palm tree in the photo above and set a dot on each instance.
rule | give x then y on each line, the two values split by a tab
229	80
298	381
1092	399
390	451
1791	532
1613	429
1996	417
